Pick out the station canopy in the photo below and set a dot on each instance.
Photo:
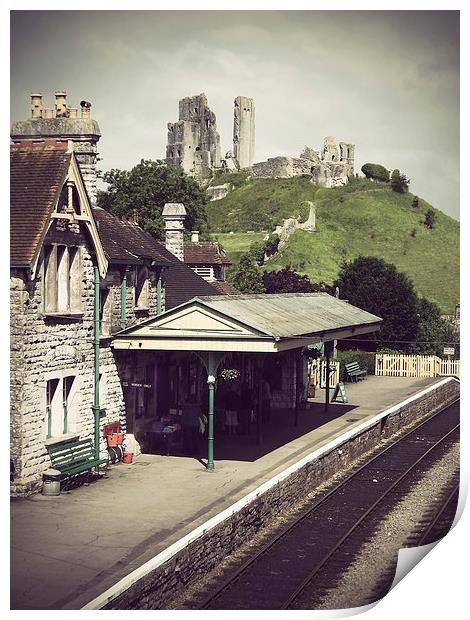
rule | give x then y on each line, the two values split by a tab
252	323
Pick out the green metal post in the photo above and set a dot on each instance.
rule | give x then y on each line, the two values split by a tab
211	361
327	388
210	430
123	298
96	402
159	292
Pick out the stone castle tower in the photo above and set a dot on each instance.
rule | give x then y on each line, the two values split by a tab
64	123
244	131
193	141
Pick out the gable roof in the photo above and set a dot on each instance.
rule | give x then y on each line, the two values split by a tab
269	323
38	171
204	253
37	174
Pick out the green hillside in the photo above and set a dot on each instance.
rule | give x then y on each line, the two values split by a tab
360	218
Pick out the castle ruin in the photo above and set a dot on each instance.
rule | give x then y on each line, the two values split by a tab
193	141
194	144
244	131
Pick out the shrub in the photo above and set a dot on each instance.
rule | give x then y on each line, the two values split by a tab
413	233
398	182
430	219
415	203
377	172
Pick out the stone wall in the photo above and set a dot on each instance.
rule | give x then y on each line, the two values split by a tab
47	346
168	580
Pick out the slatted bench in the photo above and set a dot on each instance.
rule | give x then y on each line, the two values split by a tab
355	372
74	457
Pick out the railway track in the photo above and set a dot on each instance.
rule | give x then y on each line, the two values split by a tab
314	550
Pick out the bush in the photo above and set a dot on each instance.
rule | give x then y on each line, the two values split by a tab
377	172
398	182
365	359
430	219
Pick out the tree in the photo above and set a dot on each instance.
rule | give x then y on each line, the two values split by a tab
399	183
378	287
248	278
376	172
415	203
430	218
288	281
146	188
256	251
434	332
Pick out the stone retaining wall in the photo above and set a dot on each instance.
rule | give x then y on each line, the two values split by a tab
165	577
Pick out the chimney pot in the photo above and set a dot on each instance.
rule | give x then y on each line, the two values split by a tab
73	112
86	109
36	105
60	103
48	113
195	236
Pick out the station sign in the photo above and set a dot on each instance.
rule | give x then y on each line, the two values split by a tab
449	350
146	386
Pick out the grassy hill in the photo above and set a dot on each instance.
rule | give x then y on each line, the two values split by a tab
361	218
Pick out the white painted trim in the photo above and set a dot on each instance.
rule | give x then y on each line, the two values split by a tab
121	586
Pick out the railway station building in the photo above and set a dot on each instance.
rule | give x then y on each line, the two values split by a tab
194	352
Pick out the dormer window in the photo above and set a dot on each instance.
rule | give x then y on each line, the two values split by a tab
62	279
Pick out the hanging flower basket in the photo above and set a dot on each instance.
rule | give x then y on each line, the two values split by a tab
229	374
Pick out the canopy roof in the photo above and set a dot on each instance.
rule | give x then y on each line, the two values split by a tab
264	323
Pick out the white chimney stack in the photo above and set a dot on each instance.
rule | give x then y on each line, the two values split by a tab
174	215
195	236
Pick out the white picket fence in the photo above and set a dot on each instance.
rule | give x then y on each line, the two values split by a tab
387	365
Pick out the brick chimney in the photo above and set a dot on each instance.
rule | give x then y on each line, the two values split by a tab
174	215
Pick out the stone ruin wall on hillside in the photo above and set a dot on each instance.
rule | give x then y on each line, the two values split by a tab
194	144
331	168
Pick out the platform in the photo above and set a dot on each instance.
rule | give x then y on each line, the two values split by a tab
66	550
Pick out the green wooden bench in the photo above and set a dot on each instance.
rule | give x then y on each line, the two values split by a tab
74	457
355	372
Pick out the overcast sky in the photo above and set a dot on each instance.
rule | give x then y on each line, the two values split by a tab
386	81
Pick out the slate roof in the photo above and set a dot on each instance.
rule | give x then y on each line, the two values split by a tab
225	288
37	174
286	315
204	253
127	243
124	242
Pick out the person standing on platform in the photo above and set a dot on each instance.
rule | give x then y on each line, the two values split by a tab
266	398
190	423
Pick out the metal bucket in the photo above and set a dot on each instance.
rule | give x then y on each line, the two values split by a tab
50	487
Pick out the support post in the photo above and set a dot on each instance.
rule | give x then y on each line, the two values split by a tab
210	428
96	400
159	291
123	298
211	361
328	348
259	417
297	398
